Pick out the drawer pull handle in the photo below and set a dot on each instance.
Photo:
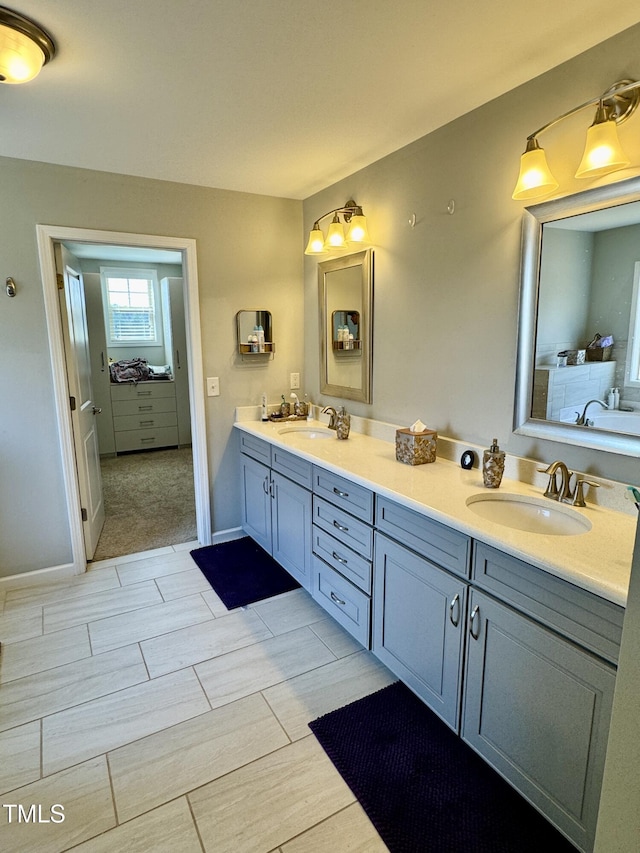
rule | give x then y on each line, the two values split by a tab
340	559
475	612
144	393
147	423
337	600
340	527
339	493
455	605
145	408
150	439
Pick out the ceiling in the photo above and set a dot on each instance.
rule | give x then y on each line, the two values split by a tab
277	97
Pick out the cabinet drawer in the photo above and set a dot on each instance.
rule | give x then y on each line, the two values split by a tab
344	602
145	421
143	406
139	439
143	390
345	561
256	448
343	493
344	527
586	618
439	543
296	469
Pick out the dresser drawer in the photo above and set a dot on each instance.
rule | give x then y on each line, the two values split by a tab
349	606
145	421
142	439
576	613
143	390
143	406
292	467
343	493
256	448
439	543
345	561
344	527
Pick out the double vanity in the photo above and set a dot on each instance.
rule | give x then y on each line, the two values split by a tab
502	610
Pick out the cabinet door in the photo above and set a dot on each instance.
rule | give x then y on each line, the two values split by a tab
256	501
291	528
537	708
418	629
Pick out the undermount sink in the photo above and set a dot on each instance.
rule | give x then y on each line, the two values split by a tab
308	432
528	513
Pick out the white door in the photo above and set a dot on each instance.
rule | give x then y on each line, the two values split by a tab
83	409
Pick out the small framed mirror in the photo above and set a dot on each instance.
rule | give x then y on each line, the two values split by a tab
254	332
346	342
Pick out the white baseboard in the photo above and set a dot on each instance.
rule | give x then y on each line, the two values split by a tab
227	535
53	573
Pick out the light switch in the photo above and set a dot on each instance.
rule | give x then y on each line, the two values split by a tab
294	384
213	386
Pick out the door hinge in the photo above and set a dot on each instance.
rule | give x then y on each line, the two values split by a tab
60	280
83	512
72	403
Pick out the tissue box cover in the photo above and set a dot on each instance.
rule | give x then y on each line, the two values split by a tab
416	448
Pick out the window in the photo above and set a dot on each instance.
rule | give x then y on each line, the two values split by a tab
130	300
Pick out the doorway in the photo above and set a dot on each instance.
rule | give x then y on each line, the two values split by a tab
135	248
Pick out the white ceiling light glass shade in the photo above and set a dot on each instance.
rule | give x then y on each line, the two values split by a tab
24	47
535	178
602	151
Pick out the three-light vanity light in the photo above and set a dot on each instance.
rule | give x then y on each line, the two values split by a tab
357	232
603	152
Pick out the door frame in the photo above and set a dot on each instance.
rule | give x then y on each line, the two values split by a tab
47	235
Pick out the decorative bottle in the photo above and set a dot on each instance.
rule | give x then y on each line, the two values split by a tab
493	465
343	424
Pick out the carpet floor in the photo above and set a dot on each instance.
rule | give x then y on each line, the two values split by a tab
241	572
149	501
422	787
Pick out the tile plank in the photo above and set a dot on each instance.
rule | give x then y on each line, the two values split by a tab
66	614
27	657
20	751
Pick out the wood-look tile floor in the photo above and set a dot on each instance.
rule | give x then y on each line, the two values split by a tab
160	721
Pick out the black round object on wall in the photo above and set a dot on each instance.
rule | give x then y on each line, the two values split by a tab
467	460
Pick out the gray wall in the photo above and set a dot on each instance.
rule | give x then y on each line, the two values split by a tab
446	291
249	256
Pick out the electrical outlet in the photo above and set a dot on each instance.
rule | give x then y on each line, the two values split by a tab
213	386
294	384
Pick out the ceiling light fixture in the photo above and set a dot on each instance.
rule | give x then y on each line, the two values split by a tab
602	153
24	47
357	232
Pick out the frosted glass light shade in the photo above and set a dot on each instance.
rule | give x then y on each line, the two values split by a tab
335	235
535	178
315	246
358	231
602	151
20	57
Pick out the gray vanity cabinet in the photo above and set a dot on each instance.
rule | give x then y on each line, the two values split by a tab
418	625
537	708
276	505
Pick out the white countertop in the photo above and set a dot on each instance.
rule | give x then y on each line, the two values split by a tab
598	560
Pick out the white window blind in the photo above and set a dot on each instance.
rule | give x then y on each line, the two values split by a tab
130	306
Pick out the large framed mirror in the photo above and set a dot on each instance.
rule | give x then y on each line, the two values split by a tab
580	277
345	290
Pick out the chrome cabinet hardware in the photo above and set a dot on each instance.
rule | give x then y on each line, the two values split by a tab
475	632
455	606
337	600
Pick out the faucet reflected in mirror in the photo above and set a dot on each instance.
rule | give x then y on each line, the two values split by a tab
582	418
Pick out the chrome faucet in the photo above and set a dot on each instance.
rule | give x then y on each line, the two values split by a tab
565	494
329	410
582	418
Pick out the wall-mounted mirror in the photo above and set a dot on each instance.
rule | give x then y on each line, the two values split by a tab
346	343
254	331
580	275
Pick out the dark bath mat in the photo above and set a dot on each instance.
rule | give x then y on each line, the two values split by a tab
422	787
241	572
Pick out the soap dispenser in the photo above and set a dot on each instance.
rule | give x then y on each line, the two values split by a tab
493	465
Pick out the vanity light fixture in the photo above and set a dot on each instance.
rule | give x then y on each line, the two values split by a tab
24	47
602	153
357	232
